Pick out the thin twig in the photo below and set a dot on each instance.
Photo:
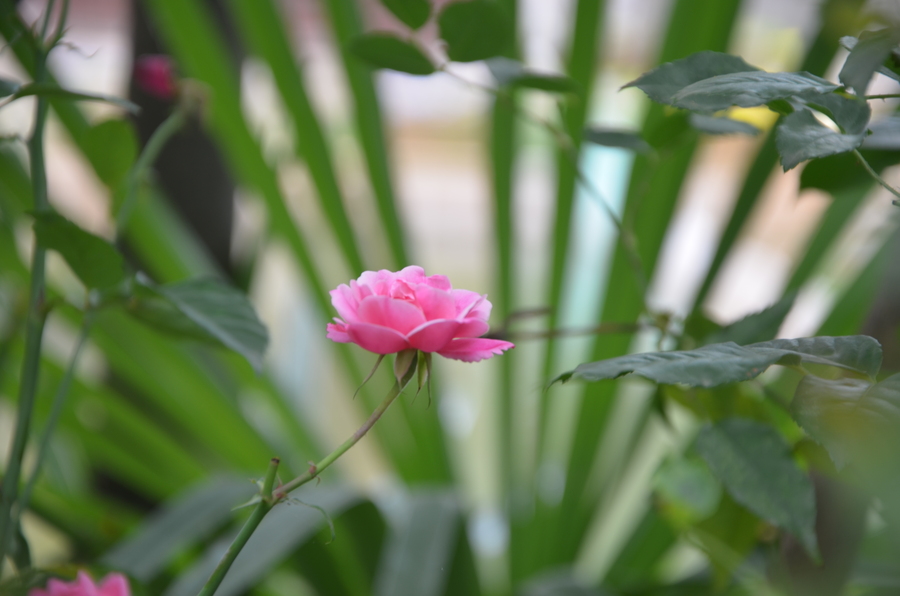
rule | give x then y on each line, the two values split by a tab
877	178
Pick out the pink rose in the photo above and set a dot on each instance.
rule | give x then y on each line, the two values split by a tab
386	312
113	584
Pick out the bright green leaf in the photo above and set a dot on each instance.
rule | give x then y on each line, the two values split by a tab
800	137
867	56
95	261
664	81
712	125
719	364
755	464
383	50
205	309
846	415
112	148
747	89
622	139
413	13
475	30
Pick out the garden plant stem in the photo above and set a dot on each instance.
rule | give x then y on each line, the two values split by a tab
270	498
877	178
34	326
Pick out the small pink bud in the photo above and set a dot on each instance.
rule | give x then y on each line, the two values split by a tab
155	74
113	584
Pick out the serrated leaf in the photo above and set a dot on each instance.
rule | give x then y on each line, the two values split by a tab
206	309
112	148
96	262
849	113
849	42
413	13
664	81
383	50
719	364
756	327
846	415
755	464
56	92
622	139
885	134
475	30
712	125
800	137
747	90
866	56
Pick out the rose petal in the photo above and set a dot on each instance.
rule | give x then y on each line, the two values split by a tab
338	332
115	584
345	302
377	339
435	304
378	282
440	282
413	274
399	315
433	336
471	305
472	328
473	350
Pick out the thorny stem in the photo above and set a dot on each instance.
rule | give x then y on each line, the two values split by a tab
270	497
886	96
877	178
266	502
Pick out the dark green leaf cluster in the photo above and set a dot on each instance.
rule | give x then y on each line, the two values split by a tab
819	118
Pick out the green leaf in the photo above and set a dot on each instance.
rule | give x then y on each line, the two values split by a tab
756	327
54	91
383	50
95	261
512	73
622	139
8	87
747	89
184	521
885	135
205	309
849	113
867	56
719	364
475	30
559	583
849	42
846	416
417	556
720	125
112	148
413	13
663	82
754	463
800	137
687	491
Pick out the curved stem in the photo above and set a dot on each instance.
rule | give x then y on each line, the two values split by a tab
317	468
148	156
34	327
265	505
877	178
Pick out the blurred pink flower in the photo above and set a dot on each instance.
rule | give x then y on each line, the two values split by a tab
386	312
113	584
155	74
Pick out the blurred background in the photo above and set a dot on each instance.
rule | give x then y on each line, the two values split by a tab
307	168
